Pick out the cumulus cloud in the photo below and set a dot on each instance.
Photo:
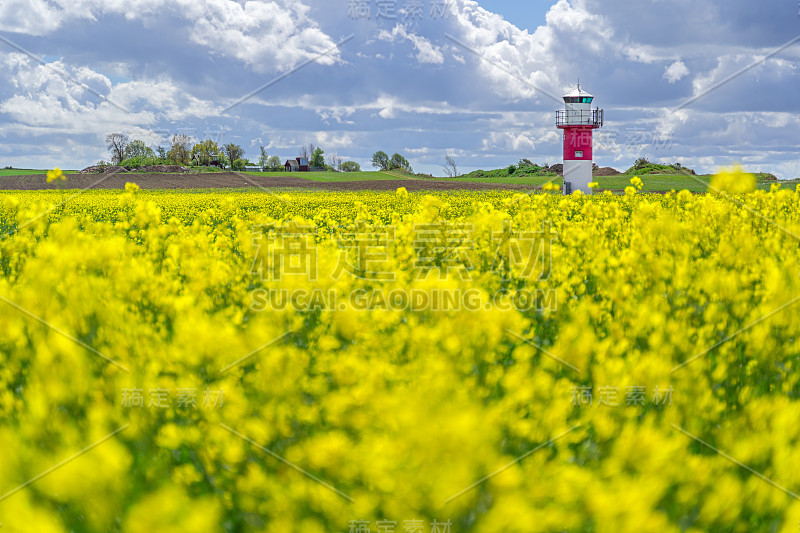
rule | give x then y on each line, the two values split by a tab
57	98
508	141
488	93
676	72
426	51
523	65
265	34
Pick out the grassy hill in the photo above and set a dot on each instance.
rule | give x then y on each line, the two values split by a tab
522	170
645	167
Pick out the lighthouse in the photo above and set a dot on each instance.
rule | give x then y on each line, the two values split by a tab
578	119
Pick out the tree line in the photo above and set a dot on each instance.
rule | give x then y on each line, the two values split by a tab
183	151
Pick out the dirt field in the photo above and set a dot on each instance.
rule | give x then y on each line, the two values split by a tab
232	180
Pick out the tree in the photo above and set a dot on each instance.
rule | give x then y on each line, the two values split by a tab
317	158
238	165
274	162
308	151
205	151
335	162
234	152
222	159
398	161
350	166
380	160
450	167
180	149
161	152
138	148
116	144
263	159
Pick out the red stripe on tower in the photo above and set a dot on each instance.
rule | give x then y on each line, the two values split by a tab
578	143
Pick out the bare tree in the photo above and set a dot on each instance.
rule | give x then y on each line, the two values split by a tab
450	167
335	161
117	143
307	150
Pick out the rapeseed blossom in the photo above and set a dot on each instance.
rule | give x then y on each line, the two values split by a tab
496	360
55	174
733	181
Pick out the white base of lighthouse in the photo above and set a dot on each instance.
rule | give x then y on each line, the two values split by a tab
579	175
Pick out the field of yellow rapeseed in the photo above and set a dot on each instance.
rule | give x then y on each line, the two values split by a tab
371	362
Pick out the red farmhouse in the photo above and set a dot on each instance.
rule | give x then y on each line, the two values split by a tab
299	164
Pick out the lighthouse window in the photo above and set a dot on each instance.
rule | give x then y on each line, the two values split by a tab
586	100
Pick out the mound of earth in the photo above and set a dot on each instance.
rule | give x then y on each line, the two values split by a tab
164	169
557	169
103	169
606	171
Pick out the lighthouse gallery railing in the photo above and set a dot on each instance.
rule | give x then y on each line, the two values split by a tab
568	117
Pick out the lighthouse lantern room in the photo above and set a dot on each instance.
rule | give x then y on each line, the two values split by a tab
578	120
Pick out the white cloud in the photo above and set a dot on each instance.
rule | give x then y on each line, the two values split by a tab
333	140
676	72
508	141
523	65
263	34
47	101
426	51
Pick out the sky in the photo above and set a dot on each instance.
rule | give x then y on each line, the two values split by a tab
700	82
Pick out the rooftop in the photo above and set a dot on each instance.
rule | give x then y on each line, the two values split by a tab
578	93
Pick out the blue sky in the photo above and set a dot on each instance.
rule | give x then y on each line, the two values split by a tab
427	78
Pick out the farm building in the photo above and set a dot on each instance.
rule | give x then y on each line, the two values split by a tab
299	164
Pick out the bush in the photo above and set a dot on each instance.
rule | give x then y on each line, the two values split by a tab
238	165
644	166
511	169
139	161
351	166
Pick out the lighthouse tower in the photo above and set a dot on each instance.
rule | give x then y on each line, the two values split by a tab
578	119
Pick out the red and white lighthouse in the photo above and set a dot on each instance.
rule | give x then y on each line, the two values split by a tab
578	119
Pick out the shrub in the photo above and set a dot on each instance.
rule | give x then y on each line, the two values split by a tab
139	161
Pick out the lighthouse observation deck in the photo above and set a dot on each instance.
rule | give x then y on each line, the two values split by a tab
579	117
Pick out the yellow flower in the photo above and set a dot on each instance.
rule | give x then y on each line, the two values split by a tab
392	322
131	187
55	174
401	192
593	184
637	182
733	181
